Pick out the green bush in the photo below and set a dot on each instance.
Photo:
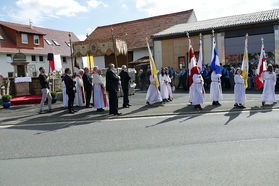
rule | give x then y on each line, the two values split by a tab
53	94
6	98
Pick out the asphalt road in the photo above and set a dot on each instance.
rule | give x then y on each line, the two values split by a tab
234	148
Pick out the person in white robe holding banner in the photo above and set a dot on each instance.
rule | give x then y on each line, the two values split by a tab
80	96
197	89
239	89
269	77
215	88
153	94
65	95
100	99
163	78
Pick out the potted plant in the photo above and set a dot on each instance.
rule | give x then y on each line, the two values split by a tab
6	101
54	96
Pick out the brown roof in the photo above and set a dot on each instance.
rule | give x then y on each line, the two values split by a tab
21	28
138	30
9	46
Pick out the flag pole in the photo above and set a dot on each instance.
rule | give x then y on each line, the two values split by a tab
127	56
114	47
70	36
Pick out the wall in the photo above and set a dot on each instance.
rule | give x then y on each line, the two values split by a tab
5	65
30	41
157	54
99	61
276	47
137	54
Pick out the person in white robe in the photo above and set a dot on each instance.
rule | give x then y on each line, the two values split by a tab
65	95
197	90
170	98
153	94
215	88
100	98
80	96
163	78
239	89
269	77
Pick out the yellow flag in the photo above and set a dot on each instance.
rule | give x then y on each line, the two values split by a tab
152	65
245	63
90	62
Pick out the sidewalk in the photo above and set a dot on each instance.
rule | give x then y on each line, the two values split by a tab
29	114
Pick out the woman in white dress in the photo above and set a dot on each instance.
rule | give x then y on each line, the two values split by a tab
197	89
215	88
239	89
164	85
65	95
268	95
153	94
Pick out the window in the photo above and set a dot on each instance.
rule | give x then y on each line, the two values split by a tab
24	38
33	58
48	42
1	37
64	59
56	43
9	58
36	40
67	43
41	58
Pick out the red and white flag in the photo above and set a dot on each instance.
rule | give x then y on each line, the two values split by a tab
261	68
192	63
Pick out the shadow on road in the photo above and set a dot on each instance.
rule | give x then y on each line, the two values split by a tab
263	109
233	114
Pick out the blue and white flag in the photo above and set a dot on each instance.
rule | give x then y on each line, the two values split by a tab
215	62
200	61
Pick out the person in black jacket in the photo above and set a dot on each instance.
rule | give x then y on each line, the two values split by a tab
70	89
112	82
87	81
125	78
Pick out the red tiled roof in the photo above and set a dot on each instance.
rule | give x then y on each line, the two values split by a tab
138	30
9	46
21	28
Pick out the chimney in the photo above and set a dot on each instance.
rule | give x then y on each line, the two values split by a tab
30	23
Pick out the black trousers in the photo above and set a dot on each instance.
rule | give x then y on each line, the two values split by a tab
113	102
71	99
88	94
125	90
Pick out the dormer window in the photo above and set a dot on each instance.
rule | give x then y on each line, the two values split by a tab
36	40
48	42
24	39
56	43
1	37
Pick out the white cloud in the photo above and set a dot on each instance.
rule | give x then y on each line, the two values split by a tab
205	9
124	6
81	37
38	10
96	4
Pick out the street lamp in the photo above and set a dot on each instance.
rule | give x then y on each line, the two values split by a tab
70	36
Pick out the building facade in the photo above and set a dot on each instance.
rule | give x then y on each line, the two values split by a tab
171	45
35	43
135	32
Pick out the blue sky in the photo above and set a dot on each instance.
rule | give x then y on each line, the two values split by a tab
83	16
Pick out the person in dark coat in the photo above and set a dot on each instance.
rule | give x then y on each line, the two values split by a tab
70	89
112	82
87	82
125	78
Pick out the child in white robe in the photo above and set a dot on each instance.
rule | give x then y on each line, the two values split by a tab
153	94
164	85
215	88
197	90
268	95
239	89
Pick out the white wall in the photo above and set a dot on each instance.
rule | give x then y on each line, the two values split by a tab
137	54
32	67
99	61
5	66
157	53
